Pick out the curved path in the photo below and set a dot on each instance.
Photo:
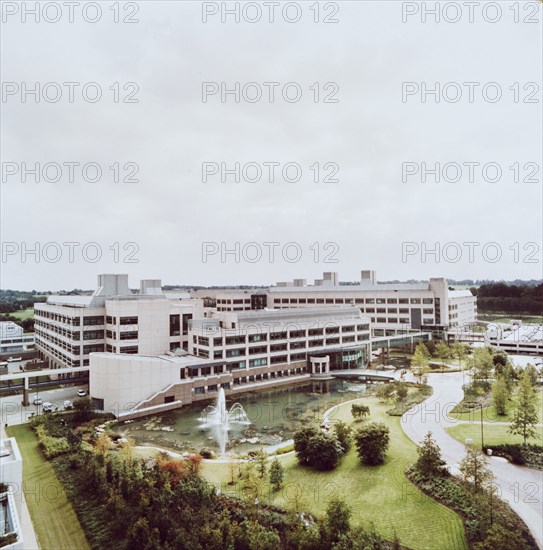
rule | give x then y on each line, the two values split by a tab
521	487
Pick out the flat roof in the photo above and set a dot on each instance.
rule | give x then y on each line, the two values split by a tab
363	287
524	333
460	294
9	445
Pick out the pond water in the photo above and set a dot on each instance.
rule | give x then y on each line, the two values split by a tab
274	415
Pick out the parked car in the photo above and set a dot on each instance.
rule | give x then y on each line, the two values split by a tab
38	401
47	407
13	359
81	393
68	405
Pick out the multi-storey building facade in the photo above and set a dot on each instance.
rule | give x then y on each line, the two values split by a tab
238	352
114	319
393	308
241	300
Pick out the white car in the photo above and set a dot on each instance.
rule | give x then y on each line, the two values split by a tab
47	407
13	359
38	401
68	405
81	393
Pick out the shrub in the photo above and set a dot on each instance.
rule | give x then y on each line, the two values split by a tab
8	539
372	443
314	448
54	446
360	411
531	455
430	463
343	433
284	450
301	444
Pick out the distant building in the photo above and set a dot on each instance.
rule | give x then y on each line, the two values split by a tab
13	339
9	329
393	308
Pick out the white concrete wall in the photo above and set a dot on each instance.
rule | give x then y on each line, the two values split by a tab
122	381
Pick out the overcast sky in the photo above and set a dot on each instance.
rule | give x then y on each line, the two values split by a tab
367	134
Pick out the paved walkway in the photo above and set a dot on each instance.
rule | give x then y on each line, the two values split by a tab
521	487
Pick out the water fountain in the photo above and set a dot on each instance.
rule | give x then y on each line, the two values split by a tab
218	419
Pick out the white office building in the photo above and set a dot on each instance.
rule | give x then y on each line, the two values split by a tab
393	308
238	351
113	319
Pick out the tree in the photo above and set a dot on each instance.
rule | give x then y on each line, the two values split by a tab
360	411
251	484
531	372
443	351
401	391
372	443
385	392
499	359
419	361
343	433
458	350
301	444
474	469
500	395
507	372
525	412
482	365
261	463
83	410
276	474
261	538
430	464
337	519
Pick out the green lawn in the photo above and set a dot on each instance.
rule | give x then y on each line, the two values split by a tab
379	495
494	434
53	517
23	314
490	415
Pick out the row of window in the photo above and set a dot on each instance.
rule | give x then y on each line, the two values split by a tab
88	334
353	301
122	320
233	301
253	338
401	320
128	335
275	348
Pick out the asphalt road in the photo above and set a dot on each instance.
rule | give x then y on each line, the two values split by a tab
521	487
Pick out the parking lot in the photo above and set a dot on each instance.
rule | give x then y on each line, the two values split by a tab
12	410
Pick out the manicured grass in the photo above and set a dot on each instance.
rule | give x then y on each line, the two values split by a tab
490	415
378	495
494	434
23	314
53	517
